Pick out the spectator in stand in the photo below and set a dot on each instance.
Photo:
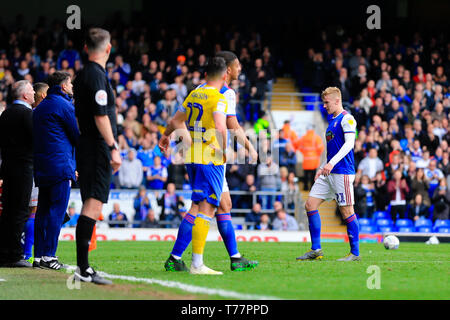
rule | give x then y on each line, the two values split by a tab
441	201
235	177
371	164
150	220
176	171
290	190
249	186
117	219
277	206
393	166
264	223
288	158
131	173
284	222
69	54
420	185
122	68
279	143
170	204
433	175
156	175
369	188
418	209
359	81
131	121
253	217
311	146
268	180
138	84
72	223
397	189
360	198
146	154
141	206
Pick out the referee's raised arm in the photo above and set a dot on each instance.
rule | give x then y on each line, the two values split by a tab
97	155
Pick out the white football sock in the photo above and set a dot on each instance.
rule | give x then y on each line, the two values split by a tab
197	260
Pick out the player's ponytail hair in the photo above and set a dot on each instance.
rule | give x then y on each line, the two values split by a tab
331	91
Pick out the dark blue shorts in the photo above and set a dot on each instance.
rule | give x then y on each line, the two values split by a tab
206	182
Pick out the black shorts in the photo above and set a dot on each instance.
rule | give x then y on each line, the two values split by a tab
94	169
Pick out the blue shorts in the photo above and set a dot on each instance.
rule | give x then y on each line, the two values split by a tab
206	182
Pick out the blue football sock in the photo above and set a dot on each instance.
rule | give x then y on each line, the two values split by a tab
29	238
314	228
184	236
353	233
226	230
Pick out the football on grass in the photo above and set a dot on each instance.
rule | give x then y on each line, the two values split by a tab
391	242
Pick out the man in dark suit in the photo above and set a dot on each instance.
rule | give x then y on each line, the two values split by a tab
17	173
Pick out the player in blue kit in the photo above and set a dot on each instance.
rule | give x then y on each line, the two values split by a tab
335	179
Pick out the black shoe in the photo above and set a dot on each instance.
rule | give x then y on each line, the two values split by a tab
173	264
53	264
242	264
37	264
90	276
20	264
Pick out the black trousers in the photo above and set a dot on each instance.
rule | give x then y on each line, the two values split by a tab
17	184
308	179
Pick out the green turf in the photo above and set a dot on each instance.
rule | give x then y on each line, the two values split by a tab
414	271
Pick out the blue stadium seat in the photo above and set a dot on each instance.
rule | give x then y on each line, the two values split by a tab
444	230
384	223
367	229
364	222
424	229
237	226
381	215
406	229
386	229
423	223
441	223
403	223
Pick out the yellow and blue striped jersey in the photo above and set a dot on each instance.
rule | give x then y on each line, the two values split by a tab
200	106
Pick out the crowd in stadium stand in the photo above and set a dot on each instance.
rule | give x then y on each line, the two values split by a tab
398	90
151	78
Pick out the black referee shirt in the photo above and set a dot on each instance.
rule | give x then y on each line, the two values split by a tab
93	96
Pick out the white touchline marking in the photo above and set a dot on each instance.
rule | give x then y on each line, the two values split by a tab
2	280
188	287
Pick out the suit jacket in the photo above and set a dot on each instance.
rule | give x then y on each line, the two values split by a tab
16	139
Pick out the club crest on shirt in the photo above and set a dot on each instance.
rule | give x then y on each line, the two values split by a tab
329	136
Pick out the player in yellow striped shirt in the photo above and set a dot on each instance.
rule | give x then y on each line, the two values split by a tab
203	114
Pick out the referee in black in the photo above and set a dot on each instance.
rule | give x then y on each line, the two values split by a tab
97	155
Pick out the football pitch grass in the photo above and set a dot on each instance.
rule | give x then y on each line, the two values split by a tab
414	271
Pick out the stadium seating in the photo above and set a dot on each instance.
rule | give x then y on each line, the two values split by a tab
384	223
403	223
424	229
444	230
386	229
368	229
441	223
423	223
381	215
364	222
406	229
